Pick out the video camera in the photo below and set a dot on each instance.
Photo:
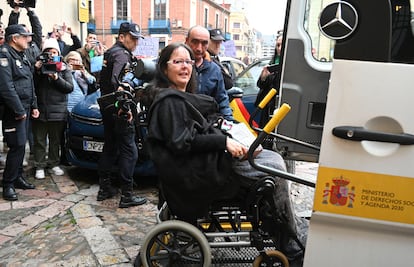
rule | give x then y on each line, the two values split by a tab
22	3
50	64
135	74
139	72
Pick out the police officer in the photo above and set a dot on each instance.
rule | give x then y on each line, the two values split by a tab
214	46
19	101
119	130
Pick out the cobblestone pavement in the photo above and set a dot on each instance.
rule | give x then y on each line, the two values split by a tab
60	223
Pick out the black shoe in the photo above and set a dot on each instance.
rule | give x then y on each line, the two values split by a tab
9	193
106	194
131	201
21	183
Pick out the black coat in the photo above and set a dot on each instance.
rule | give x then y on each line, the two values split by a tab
52	95
189	152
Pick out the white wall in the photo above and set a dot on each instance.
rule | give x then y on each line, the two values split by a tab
50	12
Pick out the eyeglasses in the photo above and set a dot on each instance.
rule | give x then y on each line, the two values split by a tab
181	62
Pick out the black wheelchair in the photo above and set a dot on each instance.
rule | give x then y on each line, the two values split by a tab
242	232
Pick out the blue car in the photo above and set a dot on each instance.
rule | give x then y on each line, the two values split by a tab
85	133
85	137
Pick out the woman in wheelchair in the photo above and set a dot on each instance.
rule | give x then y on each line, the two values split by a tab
197	162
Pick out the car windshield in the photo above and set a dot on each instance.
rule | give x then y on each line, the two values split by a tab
248	78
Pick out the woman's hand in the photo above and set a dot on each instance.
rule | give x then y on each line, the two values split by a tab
236	149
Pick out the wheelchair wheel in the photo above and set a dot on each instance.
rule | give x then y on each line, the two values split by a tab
274	258
175	243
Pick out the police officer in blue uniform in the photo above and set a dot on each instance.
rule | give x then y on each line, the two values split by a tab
120	149
18	102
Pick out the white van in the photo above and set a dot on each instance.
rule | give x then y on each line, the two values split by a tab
348	75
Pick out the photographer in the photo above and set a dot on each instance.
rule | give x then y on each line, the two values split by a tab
120	152
81	79
53	82
59	33
269	78
93	48
35	41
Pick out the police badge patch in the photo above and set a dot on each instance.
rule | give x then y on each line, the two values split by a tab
4	62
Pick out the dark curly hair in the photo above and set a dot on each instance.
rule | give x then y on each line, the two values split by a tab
161	81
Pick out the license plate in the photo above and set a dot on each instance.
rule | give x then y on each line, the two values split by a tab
92	146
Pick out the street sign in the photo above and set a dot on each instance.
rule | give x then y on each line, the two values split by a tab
83	10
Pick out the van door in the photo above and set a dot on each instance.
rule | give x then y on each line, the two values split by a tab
364	202
305	78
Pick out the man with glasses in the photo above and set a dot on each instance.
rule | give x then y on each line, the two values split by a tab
18	99
210	79
120	152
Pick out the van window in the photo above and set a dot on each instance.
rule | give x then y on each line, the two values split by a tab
322	47
402	31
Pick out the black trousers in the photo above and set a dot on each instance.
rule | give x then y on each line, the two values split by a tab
15	134
120	152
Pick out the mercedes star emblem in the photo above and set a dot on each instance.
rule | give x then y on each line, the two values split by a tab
338	20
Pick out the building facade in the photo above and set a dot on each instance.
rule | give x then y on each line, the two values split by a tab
166	20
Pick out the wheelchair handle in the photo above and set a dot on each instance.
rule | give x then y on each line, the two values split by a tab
270	126
277	118
261	105
267	98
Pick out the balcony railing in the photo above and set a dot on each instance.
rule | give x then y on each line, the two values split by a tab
159	26
91	26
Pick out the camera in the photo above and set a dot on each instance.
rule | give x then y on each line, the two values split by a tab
137	73
145	69
22	3
50	64
77	67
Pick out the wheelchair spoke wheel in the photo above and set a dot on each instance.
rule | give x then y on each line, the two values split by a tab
274	258
175	243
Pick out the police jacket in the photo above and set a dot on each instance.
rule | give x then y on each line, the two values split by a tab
52	95
115	59
16	82
210	82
